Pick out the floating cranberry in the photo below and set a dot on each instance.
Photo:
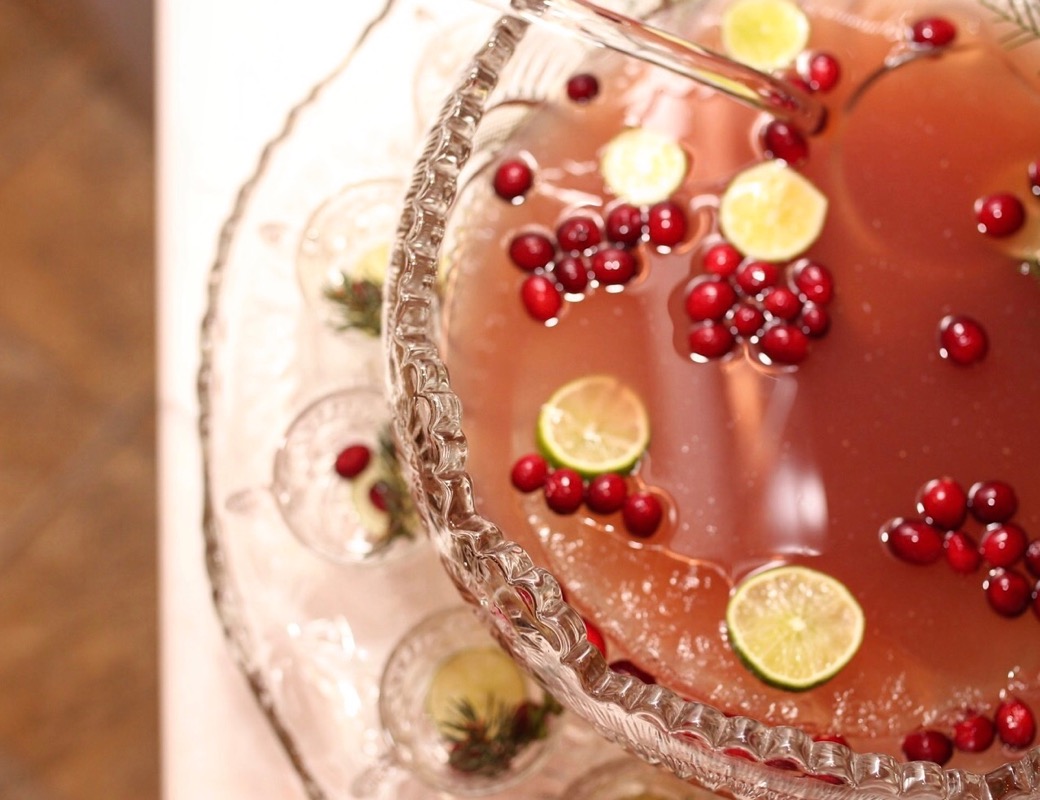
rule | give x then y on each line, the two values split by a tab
815	282
943	503
626	667
1032	558
962	553
531	250
625	224
582	88
782	303
613	266
999	215
785	142
928	745
642	514
711	298
933	32
1009	592
755	276
564	491
578	233
512	179
572	273
710	340
962	340
666	223
529	472
1003	544
974	733
722	259
379	495
351	461
747	320
595	637
913	540
815	320
822	72
540	297
1033	173
784	344
1016	725
606	493
992	501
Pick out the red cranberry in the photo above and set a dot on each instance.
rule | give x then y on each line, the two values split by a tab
933	32
613	266
578	233
529	472
815	282
606	493
747	320
784	344
822	72
710	297
642	514
710	340
1003	544
782	303
962	340
943	503
1033	558
755	276
540	297
582	88
999	215
626	667
962	553
595	637
666	223
785	142
974	733
512	179
625	224
531	251
815	320
351	461
1033	173
564	491
913	540
572	273
928	745
1016	725
379	495
992	501
722	259
1009	592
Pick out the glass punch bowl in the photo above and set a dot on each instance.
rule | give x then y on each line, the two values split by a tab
523	603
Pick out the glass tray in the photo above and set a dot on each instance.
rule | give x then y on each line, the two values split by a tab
311	636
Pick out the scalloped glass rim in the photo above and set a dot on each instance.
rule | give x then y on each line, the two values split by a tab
525	602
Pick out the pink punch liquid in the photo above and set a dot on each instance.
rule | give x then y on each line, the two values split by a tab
765	464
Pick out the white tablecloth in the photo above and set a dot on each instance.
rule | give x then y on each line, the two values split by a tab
228	72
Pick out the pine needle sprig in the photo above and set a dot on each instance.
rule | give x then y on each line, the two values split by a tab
360	304
1024	15
403	517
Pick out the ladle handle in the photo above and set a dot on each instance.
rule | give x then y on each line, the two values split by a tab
594	23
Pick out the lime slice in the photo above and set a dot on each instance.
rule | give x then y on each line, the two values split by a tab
642	166
482	679
593	425
372	264
771	212
794	627
764	34
373	520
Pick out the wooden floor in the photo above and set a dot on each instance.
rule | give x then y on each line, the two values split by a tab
78	662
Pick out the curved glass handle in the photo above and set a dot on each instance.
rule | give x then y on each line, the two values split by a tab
594	23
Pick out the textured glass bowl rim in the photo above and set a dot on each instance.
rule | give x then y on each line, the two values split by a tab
525	603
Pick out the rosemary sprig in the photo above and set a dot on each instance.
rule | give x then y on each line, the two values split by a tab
1024	15
486	745
399	507
360	303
